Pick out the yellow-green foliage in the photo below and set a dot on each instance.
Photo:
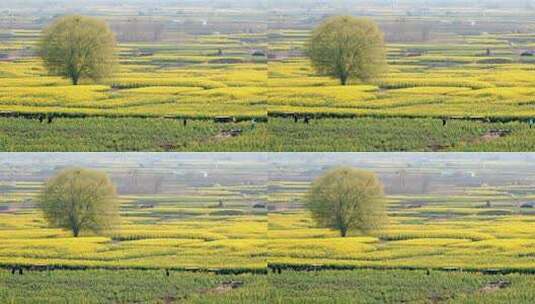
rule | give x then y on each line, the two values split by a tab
454	79
452	231
181	231
188	81
447	231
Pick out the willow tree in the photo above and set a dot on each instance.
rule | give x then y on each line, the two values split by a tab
347	48
347	199
78	47
80	200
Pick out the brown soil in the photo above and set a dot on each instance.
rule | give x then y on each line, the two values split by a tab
494	134
229	133
224	287
437	147
495	286
168	146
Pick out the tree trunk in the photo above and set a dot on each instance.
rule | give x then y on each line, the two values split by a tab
343	232
75	231
74	80
343	79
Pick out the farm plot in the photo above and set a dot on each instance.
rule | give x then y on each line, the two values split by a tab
395	286
424	80
197	241
190	84
131	286
427	232
189	87
102	134
215	230
398	134
201	78
482	80
288	287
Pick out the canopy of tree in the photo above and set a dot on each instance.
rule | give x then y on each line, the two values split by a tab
78	47
80	199
347	199
346	47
